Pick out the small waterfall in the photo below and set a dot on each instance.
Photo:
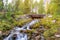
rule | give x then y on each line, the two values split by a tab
31	23
41	34
42	37
19	35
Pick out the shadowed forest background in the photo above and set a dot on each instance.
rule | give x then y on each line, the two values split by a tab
14	14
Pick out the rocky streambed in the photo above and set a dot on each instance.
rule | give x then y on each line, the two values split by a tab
33	29
32	34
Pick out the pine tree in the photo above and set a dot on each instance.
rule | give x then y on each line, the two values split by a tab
1	5
47	10
26	6
19	7
55	7
41	7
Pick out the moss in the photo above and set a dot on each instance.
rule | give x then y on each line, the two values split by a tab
21	22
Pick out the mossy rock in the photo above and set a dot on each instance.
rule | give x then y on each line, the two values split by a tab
22	22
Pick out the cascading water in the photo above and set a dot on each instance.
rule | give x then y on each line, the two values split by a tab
42	37
19	35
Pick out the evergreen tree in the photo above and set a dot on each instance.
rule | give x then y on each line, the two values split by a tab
19	5
41	7
31	5
47	7
1	5
26	6
55	7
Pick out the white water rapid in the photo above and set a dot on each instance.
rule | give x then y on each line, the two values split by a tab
19	35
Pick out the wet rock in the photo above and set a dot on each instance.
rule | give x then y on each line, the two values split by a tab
0	33
49	15
58	35
37	37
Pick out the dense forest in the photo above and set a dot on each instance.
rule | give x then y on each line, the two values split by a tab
14	13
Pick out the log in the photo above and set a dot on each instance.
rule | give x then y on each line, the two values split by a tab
36	16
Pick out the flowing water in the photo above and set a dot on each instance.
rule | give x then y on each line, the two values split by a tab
42	37
18	34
